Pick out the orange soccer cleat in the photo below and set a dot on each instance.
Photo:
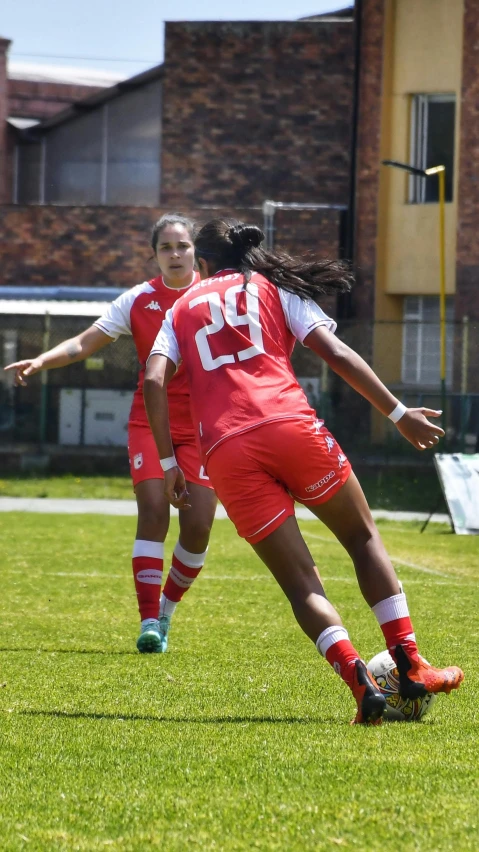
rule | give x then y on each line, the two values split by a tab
371	702
417	677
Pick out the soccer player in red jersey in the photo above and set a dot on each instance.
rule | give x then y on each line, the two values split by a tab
264	447
140	312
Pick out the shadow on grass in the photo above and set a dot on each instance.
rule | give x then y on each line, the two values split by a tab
71	651
188	720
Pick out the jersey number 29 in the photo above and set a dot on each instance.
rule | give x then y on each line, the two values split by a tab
233	319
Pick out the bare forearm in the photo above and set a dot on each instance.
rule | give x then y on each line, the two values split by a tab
359	375
345	362
75	349
156	404
65	353
412	423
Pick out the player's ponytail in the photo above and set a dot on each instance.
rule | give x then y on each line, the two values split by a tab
230	244
244	237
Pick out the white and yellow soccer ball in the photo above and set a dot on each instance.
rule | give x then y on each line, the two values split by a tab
384	671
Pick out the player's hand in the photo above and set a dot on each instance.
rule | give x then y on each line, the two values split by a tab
24	368
418	430
175	488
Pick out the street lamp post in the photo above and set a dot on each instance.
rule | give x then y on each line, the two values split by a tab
440	171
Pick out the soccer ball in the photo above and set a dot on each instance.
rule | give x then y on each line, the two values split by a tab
384	671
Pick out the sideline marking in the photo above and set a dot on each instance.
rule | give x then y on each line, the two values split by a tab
396	559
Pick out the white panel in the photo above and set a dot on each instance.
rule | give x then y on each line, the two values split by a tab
69	420
106	417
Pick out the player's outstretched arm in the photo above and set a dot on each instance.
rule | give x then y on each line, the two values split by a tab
413	423
75	349
159	371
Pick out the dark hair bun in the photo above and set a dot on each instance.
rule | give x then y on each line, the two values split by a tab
245	237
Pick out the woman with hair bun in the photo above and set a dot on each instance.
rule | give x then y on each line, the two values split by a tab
140	312
264	447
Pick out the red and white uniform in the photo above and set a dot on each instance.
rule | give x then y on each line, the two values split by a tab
235	344
140	312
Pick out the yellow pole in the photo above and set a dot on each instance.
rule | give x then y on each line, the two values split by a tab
442	290
440	171
442	265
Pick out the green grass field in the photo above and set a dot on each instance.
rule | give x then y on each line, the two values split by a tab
238	738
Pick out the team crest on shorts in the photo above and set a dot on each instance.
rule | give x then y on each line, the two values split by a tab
138	461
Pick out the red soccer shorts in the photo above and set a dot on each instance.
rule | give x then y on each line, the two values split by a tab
145	463
259	474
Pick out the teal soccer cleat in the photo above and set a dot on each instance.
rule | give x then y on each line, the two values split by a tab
164	624
150	640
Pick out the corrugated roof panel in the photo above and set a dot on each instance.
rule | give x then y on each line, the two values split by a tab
38	307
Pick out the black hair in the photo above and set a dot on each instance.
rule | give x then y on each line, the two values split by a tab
230	244
171	219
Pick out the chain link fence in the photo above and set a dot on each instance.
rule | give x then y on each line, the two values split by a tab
86	405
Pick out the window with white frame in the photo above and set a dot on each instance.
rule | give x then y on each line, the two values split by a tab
432	144
421	348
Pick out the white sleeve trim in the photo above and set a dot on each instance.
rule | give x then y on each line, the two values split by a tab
116	319
166	342
303	315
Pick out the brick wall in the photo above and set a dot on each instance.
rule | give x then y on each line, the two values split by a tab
80	246
467	280
368	155
31	99
109	246
256	110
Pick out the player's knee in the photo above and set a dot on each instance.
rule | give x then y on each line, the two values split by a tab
362	540
196	533
150	517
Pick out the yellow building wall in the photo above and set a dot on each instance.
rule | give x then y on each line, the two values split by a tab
422	55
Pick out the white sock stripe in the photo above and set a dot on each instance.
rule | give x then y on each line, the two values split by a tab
191	560
329	637
180	579
391	608
153	549
167	607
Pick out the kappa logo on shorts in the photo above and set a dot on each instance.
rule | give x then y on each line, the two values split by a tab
317	426
138	461
154	306
330	442
321	482
341	459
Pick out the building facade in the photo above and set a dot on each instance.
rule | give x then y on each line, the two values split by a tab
299	113
418	105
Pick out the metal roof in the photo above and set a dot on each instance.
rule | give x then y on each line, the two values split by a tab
60	292
40	307
22	123
93	101
40	72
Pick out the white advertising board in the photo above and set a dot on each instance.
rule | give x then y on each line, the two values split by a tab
459	477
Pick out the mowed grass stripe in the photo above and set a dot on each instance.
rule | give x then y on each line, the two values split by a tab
239	737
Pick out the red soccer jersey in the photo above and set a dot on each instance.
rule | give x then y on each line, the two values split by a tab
236	345
140	312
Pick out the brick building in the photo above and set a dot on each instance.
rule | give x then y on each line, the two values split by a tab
237	114
300	113
418	105
33	93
